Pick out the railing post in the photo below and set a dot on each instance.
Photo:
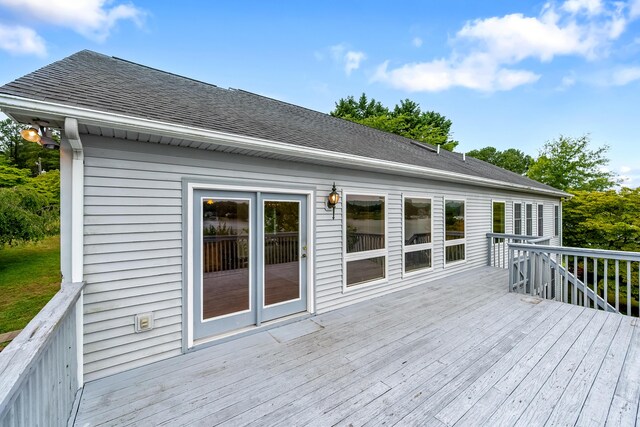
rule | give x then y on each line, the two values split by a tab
511	281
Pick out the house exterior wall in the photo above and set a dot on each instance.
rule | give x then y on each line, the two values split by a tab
133	230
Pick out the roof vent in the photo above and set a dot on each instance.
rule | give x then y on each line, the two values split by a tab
464	157
438	150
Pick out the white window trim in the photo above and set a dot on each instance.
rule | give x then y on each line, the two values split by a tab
556	220
505	214
540	233
346	257
521	204
420	247
455	242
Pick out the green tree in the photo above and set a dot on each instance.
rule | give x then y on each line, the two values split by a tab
406	119
30	210
569	164
603	220
10	176
511	159
22	154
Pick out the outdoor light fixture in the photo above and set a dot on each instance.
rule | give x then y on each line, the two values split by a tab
42	136
333	200
30	134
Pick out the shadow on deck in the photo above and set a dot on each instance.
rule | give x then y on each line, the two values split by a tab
457	351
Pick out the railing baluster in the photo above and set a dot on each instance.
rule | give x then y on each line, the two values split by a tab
565	279
629	296
595	283
617	285
606	279
585	302
574	294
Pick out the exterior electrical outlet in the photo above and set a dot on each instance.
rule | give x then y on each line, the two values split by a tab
144	322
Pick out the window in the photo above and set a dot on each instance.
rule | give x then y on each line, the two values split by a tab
540	220
529	218
418	242
454	242
499	216
365	239
556	220
517	218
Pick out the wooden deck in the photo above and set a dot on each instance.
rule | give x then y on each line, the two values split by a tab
460	351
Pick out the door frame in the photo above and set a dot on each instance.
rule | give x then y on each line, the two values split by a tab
188	187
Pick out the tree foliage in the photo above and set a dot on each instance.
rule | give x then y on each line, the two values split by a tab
405	119
22	154
29	207
569	164
510	159
603	220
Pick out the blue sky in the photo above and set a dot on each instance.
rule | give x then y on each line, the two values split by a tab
508	74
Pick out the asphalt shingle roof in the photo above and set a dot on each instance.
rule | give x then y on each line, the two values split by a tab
99	82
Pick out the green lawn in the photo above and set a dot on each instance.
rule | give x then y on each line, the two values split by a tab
29	277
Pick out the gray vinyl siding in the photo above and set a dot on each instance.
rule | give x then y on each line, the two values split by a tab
133	238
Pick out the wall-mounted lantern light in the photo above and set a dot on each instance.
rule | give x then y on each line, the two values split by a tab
333	200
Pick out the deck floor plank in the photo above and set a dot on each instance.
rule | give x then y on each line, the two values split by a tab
455	351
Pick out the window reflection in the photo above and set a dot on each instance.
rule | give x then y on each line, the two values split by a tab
225	257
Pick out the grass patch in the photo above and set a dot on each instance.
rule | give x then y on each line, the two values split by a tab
29	278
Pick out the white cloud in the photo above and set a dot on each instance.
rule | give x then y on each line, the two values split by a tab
625	169
625	76
353	60
21	41
350	59
486	51
441	74
417	41
634	9
567	81
92	18
591	7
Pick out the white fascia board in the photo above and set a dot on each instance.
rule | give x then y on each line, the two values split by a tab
87	116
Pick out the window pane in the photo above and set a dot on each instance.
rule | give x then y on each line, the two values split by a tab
454	210
417	221
498	217
365	270
225	257
540	220
556	220
281	251
529	214
417	260
454	253
517	218
365	223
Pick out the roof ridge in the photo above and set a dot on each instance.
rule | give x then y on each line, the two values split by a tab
164	72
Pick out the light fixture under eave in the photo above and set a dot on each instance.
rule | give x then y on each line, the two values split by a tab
30	134
47	141
333	199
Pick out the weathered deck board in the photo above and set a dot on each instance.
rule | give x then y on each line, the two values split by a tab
459	351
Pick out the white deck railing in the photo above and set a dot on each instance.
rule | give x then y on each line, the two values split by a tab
39	368
602	279
498	246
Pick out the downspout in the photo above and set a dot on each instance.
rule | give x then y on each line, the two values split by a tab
76	230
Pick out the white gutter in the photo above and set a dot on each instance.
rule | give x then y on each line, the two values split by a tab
75	183
87	116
